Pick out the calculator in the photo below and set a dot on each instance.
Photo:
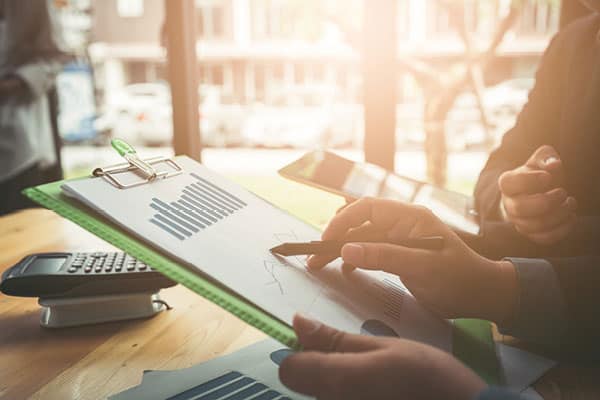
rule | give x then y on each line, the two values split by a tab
49	275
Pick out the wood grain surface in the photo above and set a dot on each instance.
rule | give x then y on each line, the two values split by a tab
94	362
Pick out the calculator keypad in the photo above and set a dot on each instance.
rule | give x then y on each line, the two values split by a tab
99	262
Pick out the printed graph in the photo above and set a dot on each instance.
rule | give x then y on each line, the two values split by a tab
200	205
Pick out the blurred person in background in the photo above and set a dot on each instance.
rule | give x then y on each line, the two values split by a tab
543	179
30	58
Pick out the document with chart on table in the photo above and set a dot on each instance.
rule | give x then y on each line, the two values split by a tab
224	232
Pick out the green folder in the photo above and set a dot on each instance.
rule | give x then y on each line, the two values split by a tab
472	339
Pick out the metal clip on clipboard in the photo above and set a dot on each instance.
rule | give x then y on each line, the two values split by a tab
145	170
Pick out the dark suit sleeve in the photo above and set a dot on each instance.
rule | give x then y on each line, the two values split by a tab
579	279
500	239
536	125
558	306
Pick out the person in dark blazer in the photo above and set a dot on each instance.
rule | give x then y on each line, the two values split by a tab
552	302
543	179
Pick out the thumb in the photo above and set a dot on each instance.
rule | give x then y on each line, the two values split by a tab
314	335
545	158
396	259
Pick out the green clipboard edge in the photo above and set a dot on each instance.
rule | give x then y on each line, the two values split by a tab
50	196
473	343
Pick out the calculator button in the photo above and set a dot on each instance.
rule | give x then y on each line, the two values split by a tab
108	268
142	267
98	269
99	254
118	268
72	269
130	267
87	270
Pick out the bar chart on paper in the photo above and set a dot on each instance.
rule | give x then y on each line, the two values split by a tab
223	232
200	205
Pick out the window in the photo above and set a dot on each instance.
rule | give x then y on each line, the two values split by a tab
130	8
217	75
211	20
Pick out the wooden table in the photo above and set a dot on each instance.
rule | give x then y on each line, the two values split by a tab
94	362
97	361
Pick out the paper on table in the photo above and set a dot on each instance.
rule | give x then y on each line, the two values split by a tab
531	394
254	361
225	232
521	368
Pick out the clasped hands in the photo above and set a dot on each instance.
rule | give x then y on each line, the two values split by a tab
534	198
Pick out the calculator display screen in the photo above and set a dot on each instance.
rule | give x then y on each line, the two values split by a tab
45	265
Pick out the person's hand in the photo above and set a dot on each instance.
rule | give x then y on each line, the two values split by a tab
338	365
453	282
534	199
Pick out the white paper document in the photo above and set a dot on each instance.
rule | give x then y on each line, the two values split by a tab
249	373
521	368
257	365
225	232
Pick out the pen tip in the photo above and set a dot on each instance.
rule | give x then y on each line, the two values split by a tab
277	249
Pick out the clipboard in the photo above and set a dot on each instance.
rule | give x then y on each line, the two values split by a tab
472	339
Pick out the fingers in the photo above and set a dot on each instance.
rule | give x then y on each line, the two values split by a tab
314	335
545	158
555	235
532	205
402	261
541	172
382	213
319	261
334	360
349	200
372	215
325	376
363	233
548	221
522	181
347	268
552	165
351	216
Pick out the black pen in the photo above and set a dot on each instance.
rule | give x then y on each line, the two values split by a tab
334	247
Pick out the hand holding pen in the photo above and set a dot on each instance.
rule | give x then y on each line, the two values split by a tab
452	280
